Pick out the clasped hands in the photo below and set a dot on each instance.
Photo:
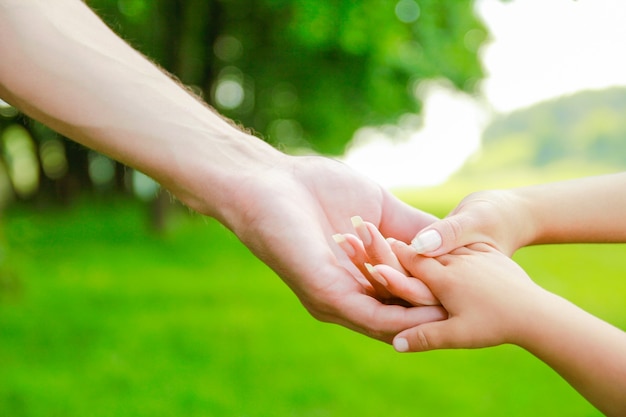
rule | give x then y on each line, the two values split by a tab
473	286
287	213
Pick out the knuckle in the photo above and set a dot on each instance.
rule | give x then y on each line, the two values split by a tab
455	228
421	340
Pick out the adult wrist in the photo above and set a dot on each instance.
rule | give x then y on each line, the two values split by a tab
212	174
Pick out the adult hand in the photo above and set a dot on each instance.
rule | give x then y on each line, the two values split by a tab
498	218
89	85
287	214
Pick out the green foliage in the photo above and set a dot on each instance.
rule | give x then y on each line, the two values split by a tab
306	73
100	318
302	74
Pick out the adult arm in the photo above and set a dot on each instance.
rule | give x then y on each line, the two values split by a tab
60	64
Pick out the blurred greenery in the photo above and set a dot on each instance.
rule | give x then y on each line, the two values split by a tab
575	135
302	74
101	316
310	72
104	318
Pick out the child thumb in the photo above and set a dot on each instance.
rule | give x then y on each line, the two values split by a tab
443	236
430	336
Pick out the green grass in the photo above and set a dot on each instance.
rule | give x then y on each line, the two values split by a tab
99	317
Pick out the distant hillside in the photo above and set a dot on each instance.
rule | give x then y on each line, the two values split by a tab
582	132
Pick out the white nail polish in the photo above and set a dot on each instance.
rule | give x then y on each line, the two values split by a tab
361	230
344	244
427	241
401	344
339	239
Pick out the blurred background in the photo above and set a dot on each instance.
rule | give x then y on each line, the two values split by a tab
115	301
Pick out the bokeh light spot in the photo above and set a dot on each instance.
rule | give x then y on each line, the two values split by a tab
144	187
229	93
132	8
473	39
285	98
407	11
101	170
22	163
53	159
6	110
227	48
287	132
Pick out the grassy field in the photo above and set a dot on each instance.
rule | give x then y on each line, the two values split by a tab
99	317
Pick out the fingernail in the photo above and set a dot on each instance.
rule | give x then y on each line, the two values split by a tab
344	244
427	241
361	230
376	275
401	344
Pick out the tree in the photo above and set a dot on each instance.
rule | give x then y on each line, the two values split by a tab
306	72
300	73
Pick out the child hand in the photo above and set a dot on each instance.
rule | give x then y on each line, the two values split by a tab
487	296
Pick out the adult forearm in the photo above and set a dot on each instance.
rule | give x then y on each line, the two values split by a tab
63	66
582	210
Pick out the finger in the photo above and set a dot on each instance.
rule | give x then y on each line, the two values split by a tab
368	316
339	299
427	269
377	249
400	220
355	251
444	334
361	261
407	288
445	235
352	247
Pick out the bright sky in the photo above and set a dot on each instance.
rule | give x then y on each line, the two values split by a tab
539	49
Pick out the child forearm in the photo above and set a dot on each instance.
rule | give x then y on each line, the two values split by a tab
582	210
586	351
490	301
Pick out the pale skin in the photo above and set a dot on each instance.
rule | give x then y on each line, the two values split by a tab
490	300
61	65
584	210
369	248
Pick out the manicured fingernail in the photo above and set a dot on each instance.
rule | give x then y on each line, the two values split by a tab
376	275
344	245
400	344
427	241
361	230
